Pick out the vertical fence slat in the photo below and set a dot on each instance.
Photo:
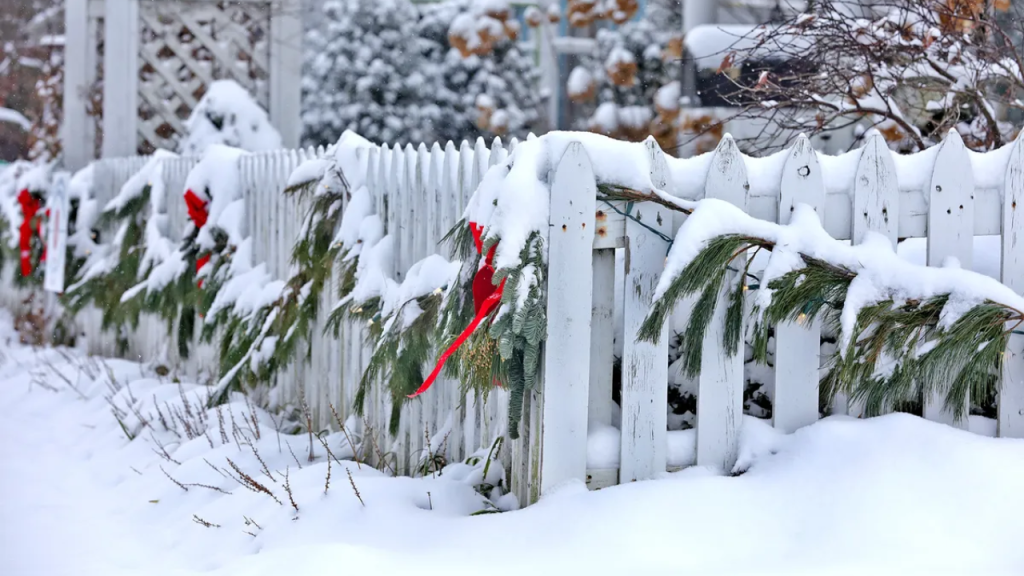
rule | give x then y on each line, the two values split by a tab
1010	416
798	344
720	384
876	198
950	234
644	364
571	240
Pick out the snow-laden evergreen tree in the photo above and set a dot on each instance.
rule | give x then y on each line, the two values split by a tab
366	73
628	87
493	91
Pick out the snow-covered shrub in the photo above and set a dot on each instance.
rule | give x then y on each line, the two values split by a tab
388	71
629	88
365	73
228	115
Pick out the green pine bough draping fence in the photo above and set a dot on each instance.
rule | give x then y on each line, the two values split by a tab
947	195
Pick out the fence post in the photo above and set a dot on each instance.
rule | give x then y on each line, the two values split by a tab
798	344
570	285
1010	416
720	386
644	364
286	70
121	78
950	233
79	74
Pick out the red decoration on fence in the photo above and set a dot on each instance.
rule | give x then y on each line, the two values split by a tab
29	208
486	297
198	213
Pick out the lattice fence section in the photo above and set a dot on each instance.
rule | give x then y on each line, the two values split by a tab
184	46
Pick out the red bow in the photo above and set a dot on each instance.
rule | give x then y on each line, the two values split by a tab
198	213
29	208
486	297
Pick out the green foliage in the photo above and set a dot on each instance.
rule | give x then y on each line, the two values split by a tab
506	350
104	290
400	354
289	320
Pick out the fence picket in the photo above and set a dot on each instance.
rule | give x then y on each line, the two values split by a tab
1010	417
571	240
644	369
798	344
876	198
720	384
950	233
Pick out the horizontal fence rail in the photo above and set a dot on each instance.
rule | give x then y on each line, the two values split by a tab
947	195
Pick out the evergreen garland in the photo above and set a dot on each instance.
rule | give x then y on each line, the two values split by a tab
104	290
288	320
926	356
506	351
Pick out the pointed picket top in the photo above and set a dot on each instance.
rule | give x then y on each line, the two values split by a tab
661	176
481	161
876	193
802	181
727	175
531	136
498	153
512	145
950	199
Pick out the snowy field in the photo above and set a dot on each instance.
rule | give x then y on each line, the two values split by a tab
892	495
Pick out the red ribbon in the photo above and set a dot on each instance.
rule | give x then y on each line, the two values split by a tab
486	297
198	213
29	208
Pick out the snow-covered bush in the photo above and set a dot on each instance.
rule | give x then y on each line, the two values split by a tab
387	70
629	89
495	83
228	115
365	73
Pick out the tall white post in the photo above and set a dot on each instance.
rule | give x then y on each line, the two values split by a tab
548	63
286	70
120	78
79	70
699	12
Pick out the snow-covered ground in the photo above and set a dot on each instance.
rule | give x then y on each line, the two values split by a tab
892	495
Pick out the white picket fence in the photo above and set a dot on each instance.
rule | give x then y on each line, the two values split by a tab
947	195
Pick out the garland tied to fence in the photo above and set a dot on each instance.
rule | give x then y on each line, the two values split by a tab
256	344
900	338
486	297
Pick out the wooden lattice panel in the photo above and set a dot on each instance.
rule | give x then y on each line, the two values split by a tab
184	46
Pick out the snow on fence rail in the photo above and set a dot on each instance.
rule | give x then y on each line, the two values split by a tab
946	194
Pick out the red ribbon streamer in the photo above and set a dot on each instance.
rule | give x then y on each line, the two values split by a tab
29	208
198	213
486	297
